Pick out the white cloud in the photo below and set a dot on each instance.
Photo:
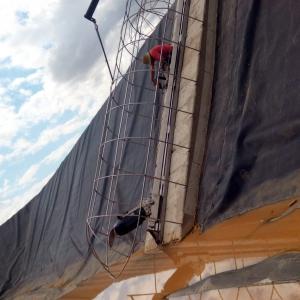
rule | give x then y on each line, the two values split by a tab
20	148
23	147
8	207
33	78
60	152
82	50
2	90
9	124
25	92
5	187
53	133
23	44
29	175
70	69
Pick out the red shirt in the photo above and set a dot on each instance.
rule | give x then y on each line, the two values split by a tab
164	50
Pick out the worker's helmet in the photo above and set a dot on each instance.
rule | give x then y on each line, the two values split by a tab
146	59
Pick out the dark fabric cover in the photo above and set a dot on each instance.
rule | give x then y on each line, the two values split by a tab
252	156
43	248
287	270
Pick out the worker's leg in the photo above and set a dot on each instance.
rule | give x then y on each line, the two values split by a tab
111	237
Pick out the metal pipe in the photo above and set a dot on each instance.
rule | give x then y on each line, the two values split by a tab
90	11
102	46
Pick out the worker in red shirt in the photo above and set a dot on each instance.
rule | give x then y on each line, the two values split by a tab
157	53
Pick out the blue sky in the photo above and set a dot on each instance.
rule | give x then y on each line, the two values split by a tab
53	80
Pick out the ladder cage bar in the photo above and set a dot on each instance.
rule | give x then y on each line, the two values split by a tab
124	115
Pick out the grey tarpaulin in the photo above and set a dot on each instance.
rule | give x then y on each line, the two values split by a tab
45	242
252	156
287	270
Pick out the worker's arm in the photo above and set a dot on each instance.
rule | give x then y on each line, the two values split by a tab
152	71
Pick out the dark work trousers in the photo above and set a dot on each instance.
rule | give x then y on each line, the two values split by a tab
130	222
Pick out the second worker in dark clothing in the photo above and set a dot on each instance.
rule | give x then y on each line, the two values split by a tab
129	222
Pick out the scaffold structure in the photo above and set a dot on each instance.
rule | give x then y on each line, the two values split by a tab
124	115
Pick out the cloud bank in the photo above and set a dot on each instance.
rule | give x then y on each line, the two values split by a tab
53	80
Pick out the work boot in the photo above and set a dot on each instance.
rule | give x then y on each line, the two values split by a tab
147	203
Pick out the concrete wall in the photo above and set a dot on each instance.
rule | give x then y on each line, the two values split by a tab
191	119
